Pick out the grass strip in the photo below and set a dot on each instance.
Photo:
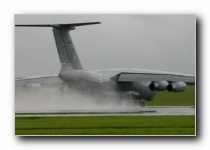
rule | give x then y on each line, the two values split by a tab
106	125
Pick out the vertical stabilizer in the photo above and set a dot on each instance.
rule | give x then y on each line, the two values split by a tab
66	50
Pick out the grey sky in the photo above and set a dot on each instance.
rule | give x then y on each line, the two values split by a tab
156	42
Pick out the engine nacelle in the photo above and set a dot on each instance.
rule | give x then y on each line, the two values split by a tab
158	86
143	89
177	86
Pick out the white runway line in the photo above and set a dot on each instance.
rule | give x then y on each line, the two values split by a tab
144	111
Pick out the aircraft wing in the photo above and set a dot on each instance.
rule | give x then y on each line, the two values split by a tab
135	75
38	80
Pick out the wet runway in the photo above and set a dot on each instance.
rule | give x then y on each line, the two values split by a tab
132	111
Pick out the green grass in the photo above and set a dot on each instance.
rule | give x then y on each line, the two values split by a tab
106	125
165	98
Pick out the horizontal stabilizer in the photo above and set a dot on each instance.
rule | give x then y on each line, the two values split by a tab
63	26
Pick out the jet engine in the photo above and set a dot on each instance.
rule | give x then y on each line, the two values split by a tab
158	86
177	86
144	91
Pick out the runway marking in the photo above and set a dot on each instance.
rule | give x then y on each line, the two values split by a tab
144	111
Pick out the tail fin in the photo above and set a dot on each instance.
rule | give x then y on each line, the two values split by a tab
66	50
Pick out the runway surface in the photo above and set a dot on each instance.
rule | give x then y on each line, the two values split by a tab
132	111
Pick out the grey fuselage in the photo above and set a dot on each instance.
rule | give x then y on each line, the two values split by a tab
100	82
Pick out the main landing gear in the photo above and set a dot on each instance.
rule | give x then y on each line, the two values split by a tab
142	103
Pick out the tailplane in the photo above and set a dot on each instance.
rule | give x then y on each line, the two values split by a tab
66	50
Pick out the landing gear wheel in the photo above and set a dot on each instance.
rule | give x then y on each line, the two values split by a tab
142	103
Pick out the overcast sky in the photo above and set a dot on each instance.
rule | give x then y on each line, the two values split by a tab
155	42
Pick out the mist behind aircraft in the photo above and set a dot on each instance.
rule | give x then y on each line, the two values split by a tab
43	99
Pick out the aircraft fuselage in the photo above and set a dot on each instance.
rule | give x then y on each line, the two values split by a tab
98	83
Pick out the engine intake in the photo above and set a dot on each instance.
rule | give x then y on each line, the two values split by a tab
177	86
158	86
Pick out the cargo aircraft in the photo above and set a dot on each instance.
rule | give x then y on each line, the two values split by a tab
135	84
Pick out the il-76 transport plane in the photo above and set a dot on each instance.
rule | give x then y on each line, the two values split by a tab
135	84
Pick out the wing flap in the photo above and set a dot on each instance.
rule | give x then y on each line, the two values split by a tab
188	79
